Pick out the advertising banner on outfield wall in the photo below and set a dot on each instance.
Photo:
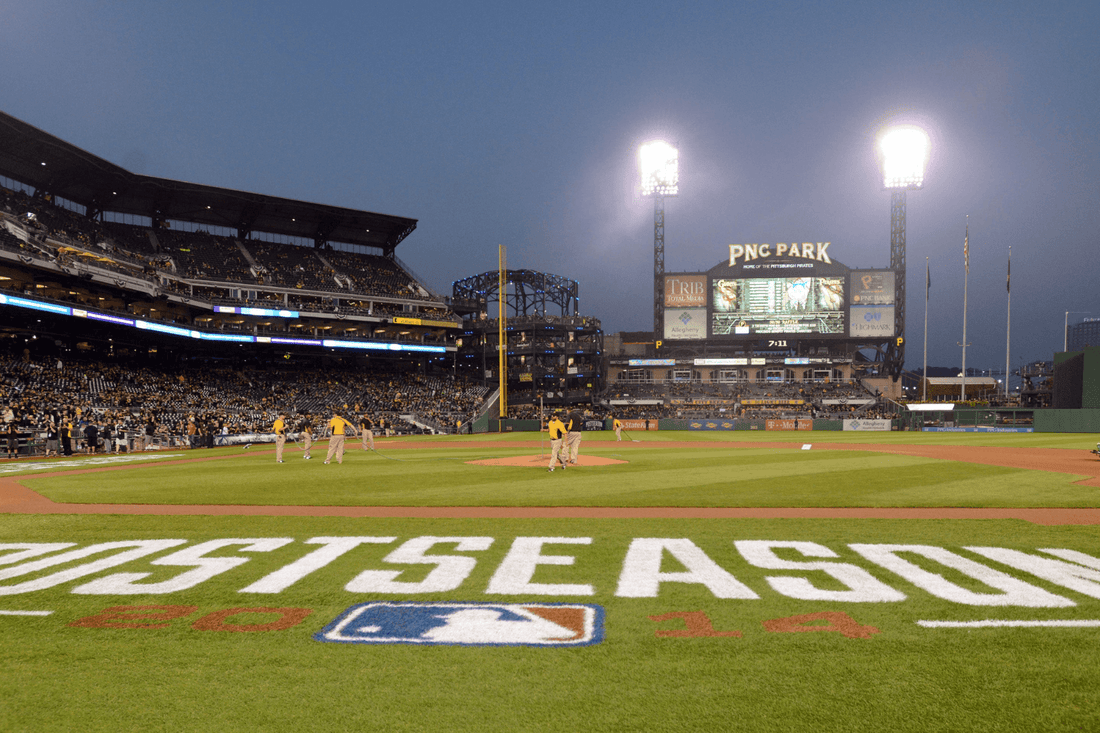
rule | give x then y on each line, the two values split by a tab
868	425
978	429
639	424
247	438
685	323
788	424
711	425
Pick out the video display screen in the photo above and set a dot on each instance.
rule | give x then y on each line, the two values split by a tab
778	306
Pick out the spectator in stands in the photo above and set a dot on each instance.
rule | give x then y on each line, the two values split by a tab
67	435
107	435
150	433
91	436
12	435
53	442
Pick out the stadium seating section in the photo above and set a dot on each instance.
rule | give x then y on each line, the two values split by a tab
208	266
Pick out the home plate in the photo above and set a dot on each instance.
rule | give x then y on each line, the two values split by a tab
544	461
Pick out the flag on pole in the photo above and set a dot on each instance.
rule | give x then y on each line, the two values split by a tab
1008	281
966	247
927	278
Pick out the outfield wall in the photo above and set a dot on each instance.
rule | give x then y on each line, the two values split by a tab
791	425
1067	421
965	420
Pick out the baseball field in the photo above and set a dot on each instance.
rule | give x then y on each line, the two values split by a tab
674	581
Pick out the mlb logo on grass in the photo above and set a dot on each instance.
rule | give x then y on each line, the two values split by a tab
468	624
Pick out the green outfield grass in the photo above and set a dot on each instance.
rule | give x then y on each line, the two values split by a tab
197	674
708	476
904	678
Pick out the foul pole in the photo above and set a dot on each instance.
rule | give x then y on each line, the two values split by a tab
502	334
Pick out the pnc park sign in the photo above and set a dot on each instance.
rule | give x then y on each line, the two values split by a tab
817	251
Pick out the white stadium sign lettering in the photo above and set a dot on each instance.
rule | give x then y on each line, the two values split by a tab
817	251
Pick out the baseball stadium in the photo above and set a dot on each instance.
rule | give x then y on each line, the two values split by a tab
260	476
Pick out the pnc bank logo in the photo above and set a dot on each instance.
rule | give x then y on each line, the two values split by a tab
467	624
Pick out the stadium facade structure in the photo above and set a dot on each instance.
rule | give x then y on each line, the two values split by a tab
777	312
554	354
1083	335
96	256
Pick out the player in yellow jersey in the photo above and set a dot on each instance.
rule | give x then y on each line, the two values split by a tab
280	436
556	429
337	428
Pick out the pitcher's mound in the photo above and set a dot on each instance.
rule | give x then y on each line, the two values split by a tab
543	461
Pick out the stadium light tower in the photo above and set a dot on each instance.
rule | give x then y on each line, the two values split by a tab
903	152
659	166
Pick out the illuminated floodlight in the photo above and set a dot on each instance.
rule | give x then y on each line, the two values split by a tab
904	155
659	165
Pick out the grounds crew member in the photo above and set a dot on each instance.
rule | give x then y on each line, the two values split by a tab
366	427
556	428
307	438
337	428
280	436
574	424
617	426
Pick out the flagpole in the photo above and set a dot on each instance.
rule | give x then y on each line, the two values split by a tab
1008	331
927	287
966	282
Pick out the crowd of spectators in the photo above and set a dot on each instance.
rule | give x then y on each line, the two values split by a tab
174	260
836	400
290	266
375	274
833	400
194	406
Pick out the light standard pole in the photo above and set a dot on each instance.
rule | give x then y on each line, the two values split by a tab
903	153
659	167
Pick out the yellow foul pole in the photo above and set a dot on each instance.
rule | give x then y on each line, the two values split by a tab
502	335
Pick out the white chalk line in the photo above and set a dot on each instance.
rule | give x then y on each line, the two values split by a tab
1008	623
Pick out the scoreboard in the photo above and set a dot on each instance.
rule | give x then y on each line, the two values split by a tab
771	293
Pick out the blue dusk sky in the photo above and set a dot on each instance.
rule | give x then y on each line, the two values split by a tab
518	123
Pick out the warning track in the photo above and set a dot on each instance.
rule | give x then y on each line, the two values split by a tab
15	498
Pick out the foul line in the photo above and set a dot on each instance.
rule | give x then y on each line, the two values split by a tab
25	613
996	623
